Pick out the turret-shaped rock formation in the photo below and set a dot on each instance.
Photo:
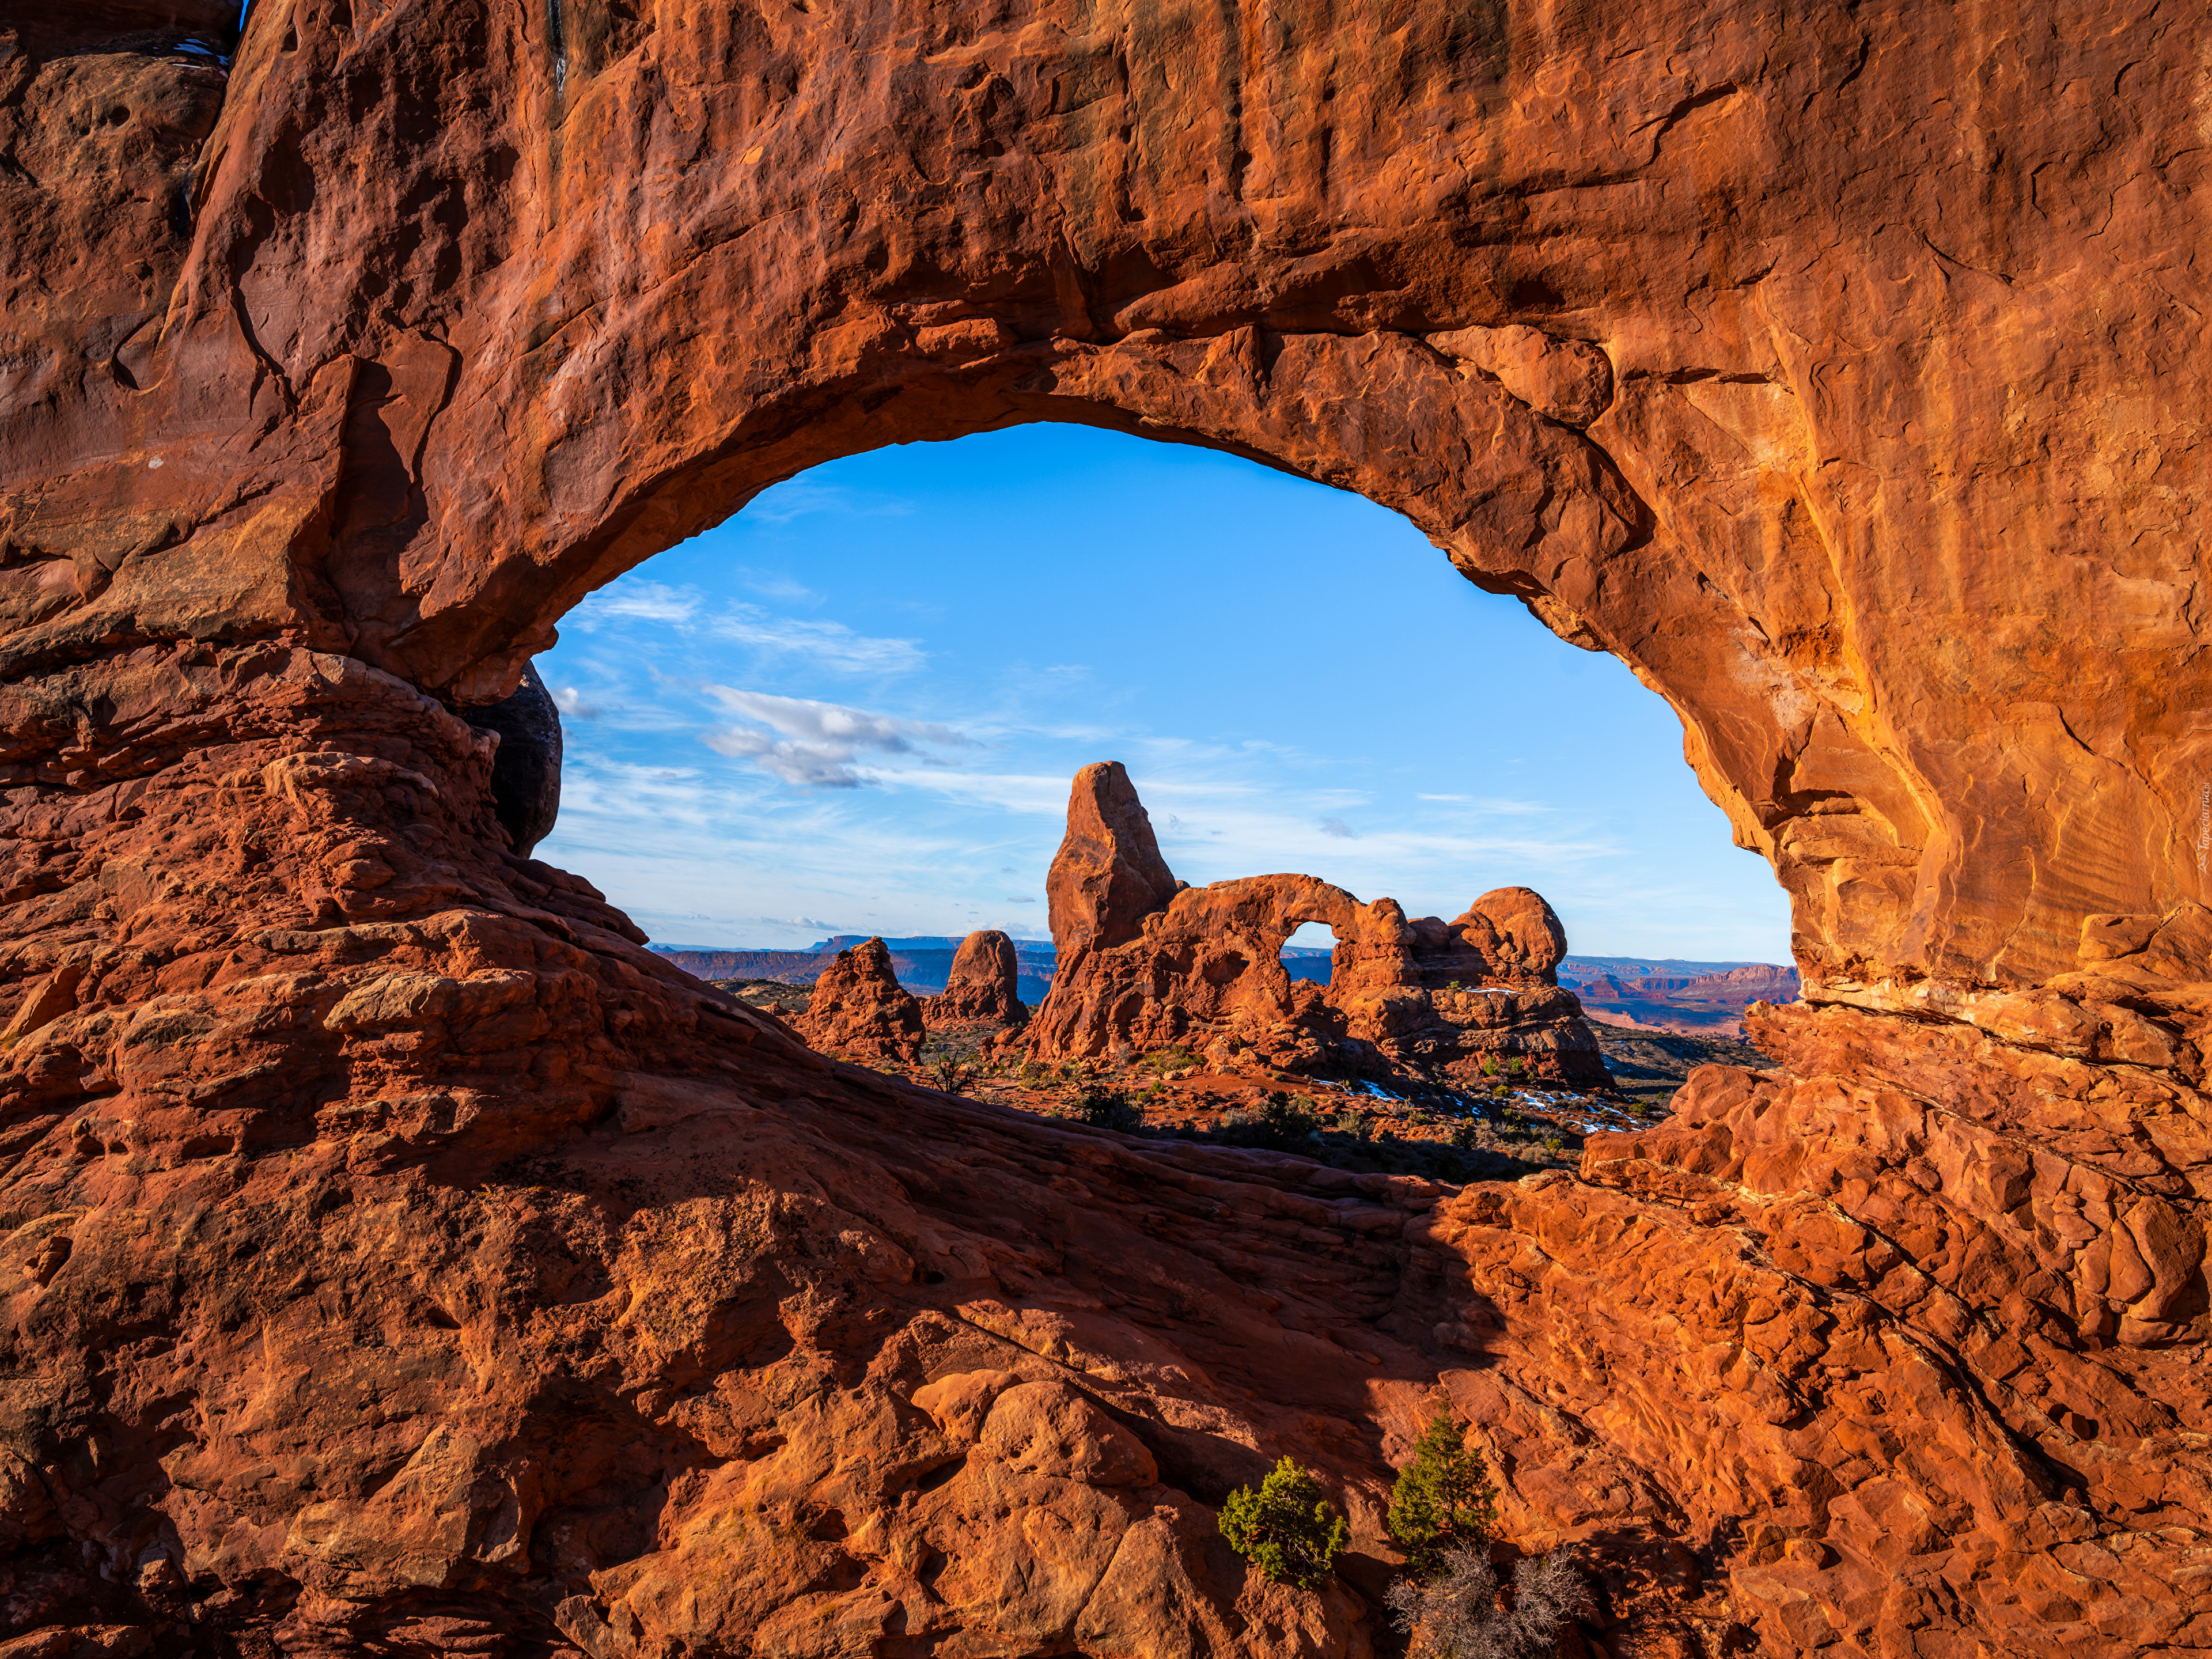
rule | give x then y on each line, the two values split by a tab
981	986
1202	966
860	1011
1108	875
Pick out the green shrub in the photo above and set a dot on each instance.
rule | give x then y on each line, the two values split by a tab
1282	1124
1442	1501
1287	1529
1171	1060
1108	1108
1463	1134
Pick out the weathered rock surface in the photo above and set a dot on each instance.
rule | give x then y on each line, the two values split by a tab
859	1010
525	774
402	1261
983	987
1108	875
1204	966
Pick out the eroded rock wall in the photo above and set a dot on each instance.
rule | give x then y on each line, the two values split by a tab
400	1259
1202	968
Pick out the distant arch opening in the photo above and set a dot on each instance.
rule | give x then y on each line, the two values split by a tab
1307	953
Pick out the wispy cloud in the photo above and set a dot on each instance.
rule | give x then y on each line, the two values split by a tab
1339	829
774	585
815	745
826	644
830	644
573	702
638	600
786	501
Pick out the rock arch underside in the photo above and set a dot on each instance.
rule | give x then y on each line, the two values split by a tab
399	1260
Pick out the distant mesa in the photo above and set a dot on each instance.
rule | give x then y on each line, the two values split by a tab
1701	999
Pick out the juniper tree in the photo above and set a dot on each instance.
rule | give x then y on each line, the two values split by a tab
1287	1529
1443	1499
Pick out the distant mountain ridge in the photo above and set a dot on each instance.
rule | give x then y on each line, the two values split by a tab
1667	992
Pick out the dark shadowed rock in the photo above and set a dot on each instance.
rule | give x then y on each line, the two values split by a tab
525	774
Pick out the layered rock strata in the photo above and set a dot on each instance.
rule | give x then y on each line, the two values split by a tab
401	1261
984	986
859	1011
1203	967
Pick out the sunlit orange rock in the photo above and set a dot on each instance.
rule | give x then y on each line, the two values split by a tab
1203	967
400	1259
859	1010
983	986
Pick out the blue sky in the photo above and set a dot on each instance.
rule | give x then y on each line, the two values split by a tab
855	708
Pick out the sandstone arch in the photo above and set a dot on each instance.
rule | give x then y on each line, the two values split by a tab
328	385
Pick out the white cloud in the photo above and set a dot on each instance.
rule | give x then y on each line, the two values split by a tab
571	702
1339	829
826	644
781	504
814	744
774	585
635	600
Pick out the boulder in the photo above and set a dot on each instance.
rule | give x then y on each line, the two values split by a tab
859	1011
981	988
525	774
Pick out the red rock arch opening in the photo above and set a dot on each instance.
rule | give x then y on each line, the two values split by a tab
333	382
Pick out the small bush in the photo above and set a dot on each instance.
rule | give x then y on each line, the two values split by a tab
1171	1060
1455	1614
1287	1529
952	1074
1463	1134
1443	1500
1108	1108
1285	1122
1358	1125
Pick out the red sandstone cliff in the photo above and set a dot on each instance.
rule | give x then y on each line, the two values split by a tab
400	1260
